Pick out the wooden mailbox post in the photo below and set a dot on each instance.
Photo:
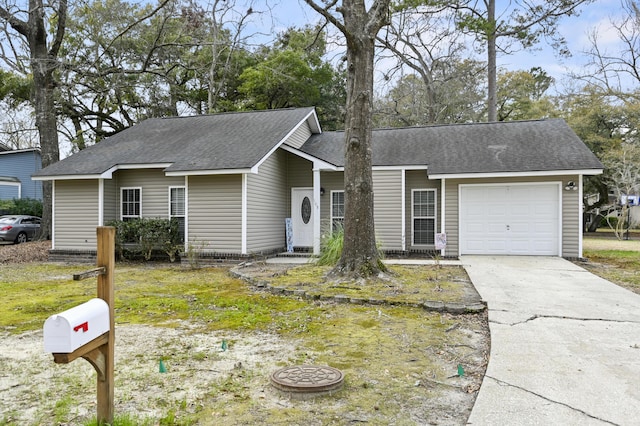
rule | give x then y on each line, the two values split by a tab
100	351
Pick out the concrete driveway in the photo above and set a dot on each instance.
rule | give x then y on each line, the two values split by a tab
565	344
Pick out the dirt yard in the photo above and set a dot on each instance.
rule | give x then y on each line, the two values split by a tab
410	380
590	243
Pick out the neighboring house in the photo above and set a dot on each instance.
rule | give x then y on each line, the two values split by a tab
16	168
511	188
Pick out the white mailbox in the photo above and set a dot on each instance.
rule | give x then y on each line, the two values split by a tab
68	330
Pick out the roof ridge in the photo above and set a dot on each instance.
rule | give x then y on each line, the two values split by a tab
431	126
479	123
254	111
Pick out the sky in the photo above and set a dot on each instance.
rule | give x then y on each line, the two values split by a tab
288	13
574	29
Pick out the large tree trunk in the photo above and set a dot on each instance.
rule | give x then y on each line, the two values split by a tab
360	256
43	65
360	27
43	54
46	123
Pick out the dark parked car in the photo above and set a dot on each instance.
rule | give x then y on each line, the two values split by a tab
19	228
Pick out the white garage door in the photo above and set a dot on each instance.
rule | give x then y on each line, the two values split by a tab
510	219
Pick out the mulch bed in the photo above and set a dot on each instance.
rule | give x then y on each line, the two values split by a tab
33	251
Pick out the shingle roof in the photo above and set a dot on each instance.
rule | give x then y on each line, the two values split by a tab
196	143
517	146
232	141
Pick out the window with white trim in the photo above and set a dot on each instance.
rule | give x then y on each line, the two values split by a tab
177	207
337	210
130	203
423	203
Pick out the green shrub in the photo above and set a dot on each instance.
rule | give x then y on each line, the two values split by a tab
331	247
5	208
140	237
28	206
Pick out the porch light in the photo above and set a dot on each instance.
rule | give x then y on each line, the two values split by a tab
321	191
571	186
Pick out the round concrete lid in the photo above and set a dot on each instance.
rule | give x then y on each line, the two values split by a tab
307	379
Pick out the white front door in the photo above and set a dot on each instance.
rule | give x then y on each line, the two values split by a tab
302	216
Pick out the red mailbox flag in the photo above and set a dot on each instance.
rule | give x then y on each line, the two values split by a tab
84	326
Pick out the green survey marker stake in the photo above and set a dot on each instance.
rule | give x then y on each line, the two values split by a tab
163	368
460	370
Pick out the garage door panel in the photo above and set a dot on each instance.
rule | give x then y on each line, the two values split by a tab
544	228
476	244
497	211
543	247
519	246
494	245
519	229
475	228
494	228
510	219
519	211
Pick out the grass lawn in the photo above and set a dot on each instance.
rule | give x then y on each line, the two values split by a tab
614	260
400	363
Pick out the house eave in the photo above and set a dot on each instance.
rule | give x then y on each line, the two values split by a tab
210	172
402	167
19	151
317	163
107	174
314	125
67	177
514	174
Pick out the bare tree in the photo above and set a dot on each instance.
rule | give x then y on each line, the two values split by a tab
360	26
617	73
31	23
623	178
423	43
18	129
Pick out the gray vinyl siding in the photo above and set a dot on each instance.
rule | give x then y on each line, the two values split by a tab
451	218
387	189
155	190
215	213
417	179
387	212
299	136
111	208
299	172
571	219
267	205
570	211
75	214
330	181
299	175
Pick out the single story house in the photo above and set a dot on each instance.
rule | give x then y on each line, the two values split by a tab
510	188
16	168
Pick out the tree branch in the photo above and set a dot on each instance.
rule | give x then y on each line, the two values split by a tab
324	11
133	24
62	20
20	26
